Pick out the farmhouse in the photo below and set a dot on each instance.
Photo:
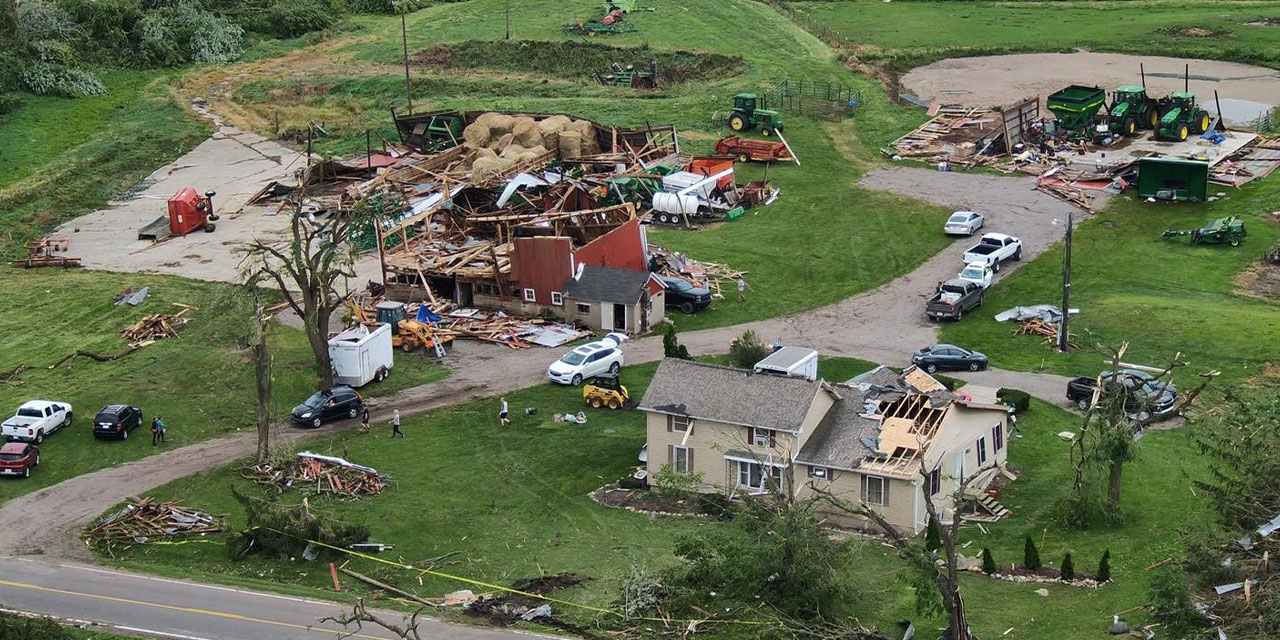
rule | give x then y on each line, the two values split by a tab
884	439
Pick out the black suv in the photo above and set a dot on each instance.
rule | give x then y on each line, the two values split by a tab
684	296
328	404
116	420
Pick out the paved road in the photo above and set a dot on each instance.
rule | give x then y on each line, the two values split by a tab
136	604
884	325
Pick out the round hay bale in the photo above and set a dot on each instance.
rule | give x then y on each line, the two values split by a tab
588	133
538	150
476	135
527	133
554	124
486	168
551	139
485	153
513	150
502	142
526	157
485	119
501	123
570	144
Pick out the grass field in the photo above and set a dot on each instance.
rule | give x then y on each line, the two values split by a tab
925	31
1162	296
513	504
200	382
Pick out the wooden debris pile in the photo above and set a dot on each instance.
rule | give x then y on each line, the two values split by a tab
146	520
951	130
1067	193
43	253
714	276
154	327
319	474
1044	329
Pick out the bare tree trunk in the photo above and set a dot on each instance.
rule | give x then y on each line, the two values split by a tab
318	335
262	371
1114	480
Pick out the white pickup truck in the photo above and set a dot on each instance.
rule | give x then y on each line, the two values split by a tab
36	419
993	249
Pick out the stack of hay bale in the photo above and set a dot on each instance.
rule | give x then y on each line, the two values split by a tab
497	142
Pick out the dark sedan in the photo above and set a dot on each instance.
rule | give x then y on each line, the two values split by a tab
329	404
684	296
116	421
948	357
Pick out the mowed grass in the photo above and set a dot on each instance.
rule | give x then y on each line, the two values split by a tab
63	158
823	240
1161	296
200	382
941	29
513	504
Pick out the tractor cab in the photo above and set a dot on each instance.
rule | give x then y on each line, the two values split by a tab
745	102
1131	110
391	313
1182	117
747	114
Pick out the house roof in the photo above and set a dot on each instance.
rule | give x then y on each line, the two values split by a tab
726	394
880	376
844	437
607	284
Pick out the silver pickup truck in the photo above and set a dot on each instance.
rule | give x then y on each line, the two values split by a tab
993	249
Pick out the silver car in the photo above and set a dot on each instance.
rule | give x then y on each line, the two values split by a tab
964	223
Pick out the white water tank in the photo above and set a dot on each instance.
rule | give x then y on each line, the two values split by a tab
675	203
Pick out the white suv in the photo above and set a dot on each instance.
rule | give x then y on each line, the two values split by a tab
591	359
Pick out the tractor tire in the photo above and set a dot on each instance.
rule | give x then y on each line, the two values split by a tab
742	157
739	122
766	131
1183	132
1202	121
1235	241
596	403
1151	118
614	404
1128	127
406	346
209	227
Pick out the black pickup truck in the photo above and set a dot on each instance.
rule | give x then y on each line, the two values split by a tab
1147	399
954	297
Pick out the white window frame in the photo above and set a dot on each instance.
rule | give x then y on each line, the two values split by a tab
557	298
881	502
530	295
680	423
744	475
820	473
756	434
675	459
982	450
584	307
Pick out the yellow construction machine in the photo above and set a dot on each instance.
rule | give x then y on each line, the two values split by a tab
407	333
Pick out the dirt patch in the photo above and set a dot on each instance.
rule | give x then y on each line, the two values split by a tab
577	59
1264	22
647	501
1260	280
1193	32
513	608
1003	80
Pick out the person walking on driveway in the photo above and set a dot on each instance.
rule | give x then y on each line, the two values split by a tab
503	420
364	420
395	425
742	290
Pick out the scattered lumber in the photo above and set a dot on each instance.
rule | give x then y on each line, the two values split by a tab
388	588
154	327
1047	330
145	520
319	474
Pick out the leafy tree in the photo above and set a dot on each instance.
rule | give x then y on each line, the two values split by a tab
1104	566
671	347
1171	599
1030	556
746	350
988	563
1244	470
1068	569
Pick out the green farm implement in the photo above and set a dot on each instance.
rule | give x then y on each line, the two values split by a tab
1076	109
1221	231
747	115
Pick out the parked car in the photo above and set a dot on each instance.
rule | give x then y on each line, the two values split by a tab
684	296
948	357
328	404
993	249
977	272
36	419
591	359
964	223
116	421
18	459
954	297
1147	399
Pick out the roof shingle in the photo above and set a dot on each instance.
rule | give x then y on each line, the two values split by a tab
726	394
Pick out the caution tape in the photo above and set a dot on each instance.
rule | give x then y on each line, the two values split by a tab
497	587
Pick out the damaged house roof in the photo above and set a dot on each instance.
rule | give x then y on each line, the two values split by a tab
844	437
734	396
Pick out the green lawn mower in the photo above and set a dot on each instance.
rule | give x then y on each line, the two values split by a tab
1228	230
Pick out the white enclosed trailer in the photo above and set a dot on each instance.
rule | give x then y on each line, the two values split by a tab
361	355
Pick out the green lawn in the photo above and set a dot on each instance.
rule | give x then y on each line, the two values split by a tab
513	504
1163	296
200	382
932	30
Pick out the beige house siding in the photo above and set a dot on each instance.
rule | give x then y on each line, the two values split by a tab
710	441
593	317
899	510
957	443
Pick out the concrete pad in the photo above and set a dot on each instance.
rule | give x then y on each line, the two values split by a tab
1128	150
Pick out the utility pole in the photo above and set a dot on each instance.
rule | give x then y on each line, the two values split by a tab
507	8
1064	344
404	38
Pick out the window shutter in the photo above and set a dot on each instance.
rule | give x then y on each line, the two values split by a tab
689	459
773	439
671	454
751	436
864	487
670	421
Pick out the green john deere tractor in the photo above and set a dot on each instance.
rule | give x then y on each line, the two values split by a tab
747	115
1181	117
1221	231
1132	109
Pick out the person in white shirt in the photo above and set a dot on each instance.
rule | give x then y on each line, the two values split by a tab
503	420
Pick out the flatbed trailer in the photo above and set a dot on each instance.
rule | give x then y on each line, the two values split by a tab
748	150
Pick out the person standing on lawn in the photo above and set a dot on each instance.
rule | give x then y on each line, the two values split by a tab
157	431
503	420
742	290
395	425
